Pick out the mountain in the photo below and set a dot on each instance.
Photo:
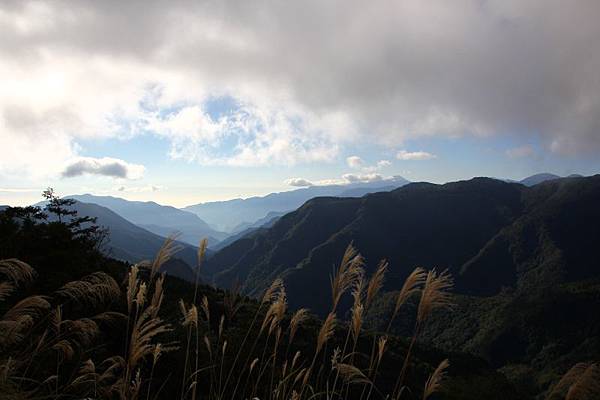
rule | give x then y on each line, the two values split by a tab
251	229
129	242
418	224
158	219
538	178
488	233
227	215
267	221
361	191
524	259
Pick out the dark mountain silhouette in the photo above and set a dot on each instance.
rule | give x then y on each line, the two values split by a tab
419	224
227	215
524	260
129	242
159	219
488	233
360	192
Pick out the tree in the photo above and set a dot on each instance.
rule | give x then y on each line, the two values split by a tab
58	206
84	227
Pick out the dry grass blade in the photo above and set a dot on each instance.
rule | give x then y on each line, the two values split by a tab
87	367
64	349
381	347
435	293
351	374
82	331
299	317
158	295
132	286
6	289
581	382
253	364
586	386
95	289
376	283
17	271
436	379
205	308
33	306
326	331
168	249
140	298
411	286
190	315
357	317
13	330
276	310
272	292
208	346
350	269
144	330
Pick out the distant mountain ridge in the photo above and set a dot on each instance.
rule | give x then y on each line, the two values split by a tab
129	242
159	219
540	178
524	260
451	225
227	215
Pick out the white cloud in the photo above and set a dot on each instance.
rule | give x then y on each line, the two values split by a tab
521	152
140	189
362	178
414	155
77	71
111	167
355	162
383	163
346	179
298	182
248	136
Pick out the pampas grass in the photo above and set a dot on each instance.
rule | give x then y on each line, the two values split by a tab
435	294
94	290
298	318
581	382
435	380
17	271
168	249
144	295
347	273
376	283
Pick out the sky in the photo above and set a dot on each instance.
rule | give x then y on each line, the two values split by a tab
182	102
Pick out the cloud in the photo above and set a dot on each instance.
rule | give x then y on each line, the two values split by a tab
346	179
73	72
246	136
20	190
354	162
414	155
140	189
383	163
362	178
521	152
106	166
298	182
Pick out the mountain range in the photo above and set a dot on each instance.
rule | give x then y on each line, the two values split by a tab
524	260
129	242
159	219
228	215
470	227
